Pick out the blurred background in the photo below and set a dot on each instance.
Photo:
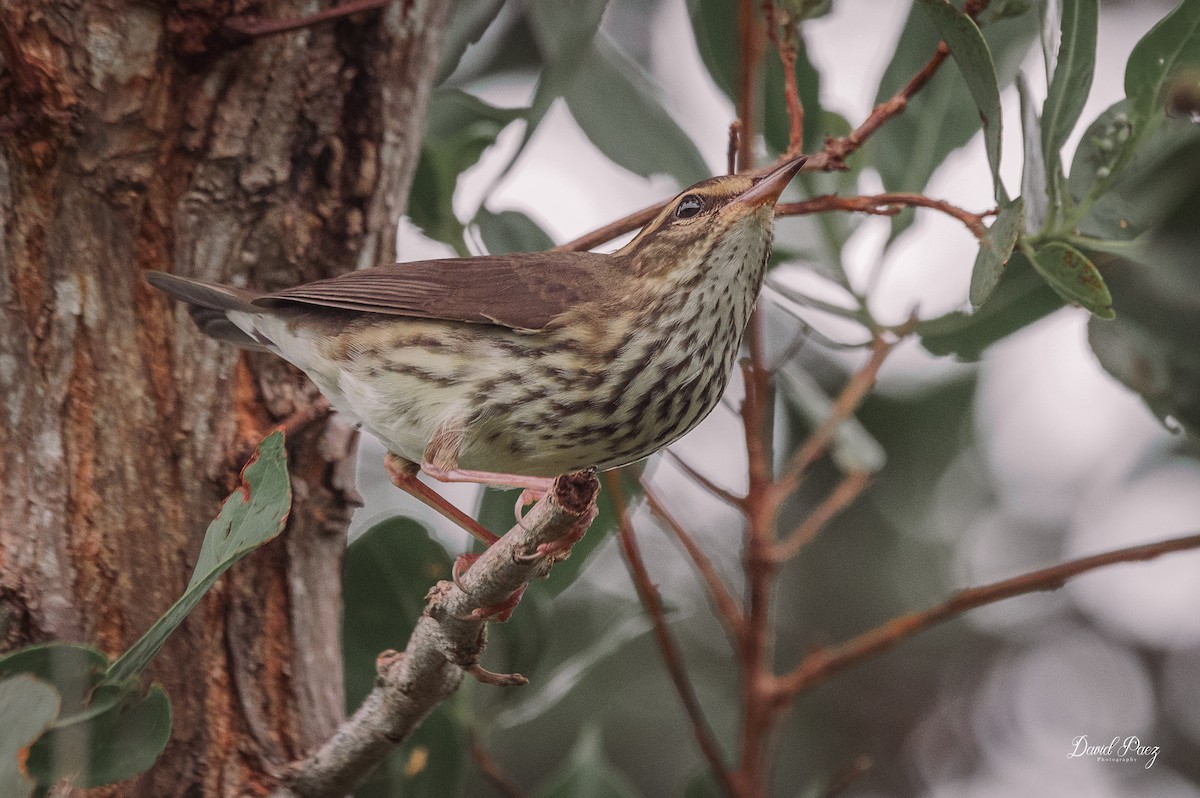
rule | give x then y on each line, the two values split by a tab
1029	456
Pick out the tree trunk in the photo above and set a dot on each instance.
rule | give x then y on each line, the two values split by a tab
139	136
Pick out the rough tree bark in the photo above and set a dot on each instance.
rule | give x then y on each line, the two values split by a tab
136	136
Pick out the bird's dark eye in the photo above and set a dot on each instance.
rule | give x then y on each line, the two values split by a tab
689	206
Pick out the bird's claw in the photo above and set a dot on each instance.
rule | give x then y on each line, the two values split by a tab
528	496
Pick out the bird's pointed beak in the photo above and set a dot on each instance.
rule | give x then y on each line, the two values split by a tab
766	189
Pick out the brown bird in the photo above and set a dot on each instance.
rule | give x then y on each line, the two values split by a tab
511	369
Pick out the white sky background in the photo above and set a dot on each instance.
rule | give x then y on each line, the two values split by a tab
1060	437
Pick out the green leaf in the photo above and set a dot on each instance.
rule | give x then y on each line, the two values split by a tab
622	112
385	575
27	706
941	117
970	51
563	31
1074	277
587	773
1072	77
458	130
113	746
1021	298
714	26
73	669
995	250
1111	164
1171	46
252	515
547	692
1035	187
511	231
468	23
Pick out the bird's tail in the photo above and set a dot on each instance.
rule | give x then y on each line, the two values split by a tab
209	305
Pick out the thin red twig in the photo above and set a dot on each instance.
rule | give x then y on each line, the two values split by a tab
839	499
723	601
888	204
820	665
845	404
786	46
735	142
716	490
750	54
666	644
491	772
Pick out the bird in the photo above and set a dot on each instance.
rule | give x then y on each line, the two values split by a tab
508	370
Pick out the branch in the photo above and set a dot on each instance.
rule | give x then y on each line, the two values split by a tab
727	496
822	664
846	403
885	205
727	609
670	652
787	56
749	55
446	643
841	497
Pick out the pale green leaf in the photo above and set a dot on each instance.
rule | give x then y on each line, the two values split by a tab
1171	46
622	112
27	706
587	773
1072	77
970	51
252	515
1074	277
113	746
995	250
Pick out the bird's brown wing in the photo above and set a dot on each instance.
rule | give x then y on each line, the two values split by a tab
522	291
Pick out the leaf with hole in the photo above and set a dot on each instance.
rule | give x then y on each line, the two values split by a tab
253	514
994	251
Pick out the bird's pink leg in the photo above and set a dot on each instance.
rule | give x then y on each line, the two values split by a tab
534	487
403	474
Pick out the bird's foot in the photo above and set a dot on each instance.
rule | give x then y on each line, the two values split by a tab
501	611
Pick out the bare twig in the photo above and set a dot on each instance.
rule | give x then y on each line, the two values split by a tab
670	651
724	495
786	46
735	138
613	229
727	609
254	26
845	404
885	205
820	665
446	643
750	47
491	772
838	500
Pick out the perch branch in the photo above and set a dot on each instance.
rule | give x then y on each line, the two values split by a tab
446	643
820	665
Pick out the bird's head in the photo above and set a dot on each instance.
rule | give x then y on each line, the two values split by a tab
718	223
